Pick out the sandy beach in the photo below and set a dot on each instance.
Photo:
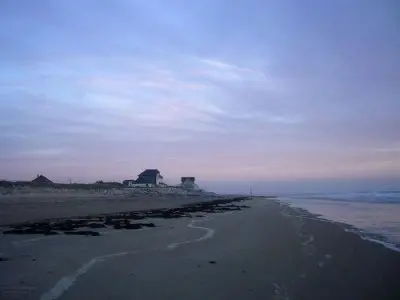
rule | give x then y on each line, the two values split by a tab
235	248
38	204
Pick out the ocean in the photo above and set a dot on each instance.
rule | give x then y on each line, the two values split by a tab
375	214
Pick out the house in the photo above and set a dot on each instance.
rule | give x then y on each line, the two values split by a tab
41	180
128	182
149	176
188	183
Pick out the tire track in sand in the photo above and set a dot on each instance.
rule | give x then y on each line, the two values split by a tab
67	282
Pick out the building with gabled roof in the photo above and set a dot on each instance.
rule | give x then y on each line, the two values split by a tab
150	176
41	180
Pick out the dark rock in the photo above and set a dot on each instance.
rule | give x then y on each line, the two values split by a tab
63	226
137	217
148	225
122	220
109	221
133	226
95	225
127	225
212	262
88	233
14	231
171	216
30	231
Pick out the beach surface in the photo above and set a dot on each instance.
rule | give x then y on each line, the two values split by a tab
38	204
235	248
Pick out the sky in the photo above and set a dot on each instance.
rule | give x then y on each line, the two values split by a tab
232	92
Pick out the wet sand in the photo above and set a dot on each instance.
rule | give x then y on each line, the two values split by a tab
222	251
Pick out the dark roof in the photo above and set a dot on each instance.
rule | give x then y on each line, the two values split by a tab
40	179
150	172
183	179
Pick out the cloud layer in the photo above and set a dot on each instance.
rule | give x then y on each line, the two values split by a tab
235	91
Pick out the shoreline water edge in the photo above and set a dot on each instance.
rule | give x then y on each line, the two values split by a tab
374	216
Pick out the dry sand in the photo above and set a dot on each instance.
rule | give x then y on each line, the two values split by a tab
267	251
33	205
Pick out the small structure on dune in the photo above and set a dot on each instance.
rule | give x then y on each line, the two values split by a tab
6	184
188	183
128	182
108	183
41	180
